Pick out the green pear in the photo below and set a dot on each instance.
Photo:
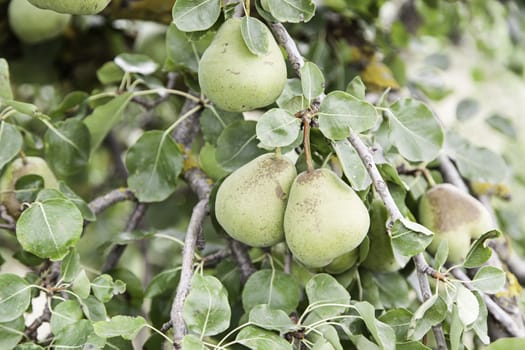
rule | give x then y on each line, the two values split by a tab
324	218
250	202
235	79
74	7
32	24
454	216
380	256
18	168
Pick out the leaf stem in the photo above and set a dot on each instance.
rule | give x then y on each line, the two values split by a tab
169	91
181	119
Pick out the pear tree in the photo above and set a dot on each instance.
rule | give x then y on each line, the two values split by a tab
261	174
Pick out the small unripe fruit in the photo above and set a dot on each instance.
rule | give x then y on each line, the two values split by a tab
74	7
454	216
32	24
324	218
18	168
250	202
237	80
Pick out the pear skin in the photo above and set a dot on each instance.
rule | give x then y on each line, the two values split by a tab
324	218
32	24
455	216
74	7
235	79
380	256
343	262
250	202
15	170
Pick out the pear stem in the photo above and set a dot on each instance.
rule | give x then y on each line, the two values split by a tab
306	143
428	177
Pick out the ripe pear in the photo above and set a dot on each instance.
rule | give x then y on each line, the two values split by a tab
324	218
380	256
250	202
454	216
32	24
18	168
74	7
237	80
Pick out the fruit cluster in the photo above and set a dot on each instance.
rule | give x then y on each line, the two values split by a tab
265	202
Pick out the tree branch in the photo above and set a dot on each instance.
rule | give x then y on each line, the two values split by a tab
240	254
116	252
197	217
101	203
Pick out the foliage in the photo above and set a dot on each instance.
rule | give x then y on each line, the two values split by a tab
126	250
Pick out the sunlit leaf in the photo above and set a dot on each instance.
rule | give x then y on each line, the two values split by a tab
323	289
489	279
136	63
468	306
126	327
312	81
294	11
274	320
194	15
255	338
353	168
256	35
11	332
277	128
15	296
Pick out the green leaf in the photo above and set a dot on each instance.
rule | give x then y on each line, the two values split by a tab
64	314
293	11
278	128
476	163
11	332
49	228
15	296
105	117
136	63
433	311
84	208
195	15
409	238
312	81
292	98
5	84
213	121
480	253
255	338
273	320
356	88
466	109
81	285
503	125
322	344
480	325
323	289
489	279
191	342
456	328
237	145
182	53
206	310
255	35
104	287
23	107
94	309
70	267
67	147
11	141
272	287
154	163
341	112
71	101
353	168
162	282
383	334
73	335
468	306
399	320
126	327
414	130
110	73
27	188
393	289
507	344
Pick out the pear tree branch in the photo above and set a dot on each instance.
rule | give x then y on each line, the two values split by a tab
422	268
105	201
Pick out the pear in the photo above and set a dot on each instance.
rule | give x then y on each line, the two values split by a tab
250	202
18	168
324	218
454	216
380	256
32	24
74	7
237	80
343	262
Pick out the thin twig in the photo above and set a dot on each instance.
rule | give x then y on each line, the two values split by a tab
101	203
116	252
31	330
395	214
4	215
188	252
240	254
213	259
283	37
